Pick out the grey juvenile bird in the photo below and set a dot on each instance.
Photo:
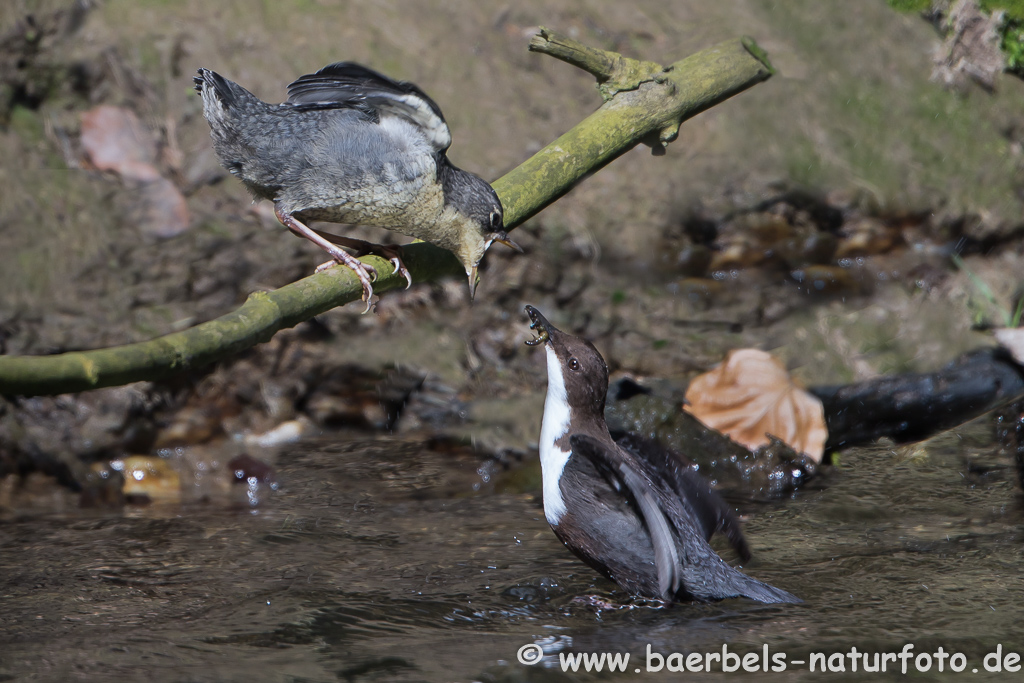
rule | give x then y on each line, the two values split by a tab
353	146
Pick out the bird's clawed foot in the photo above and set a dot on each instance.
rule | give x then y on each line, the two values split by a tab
364	271
391	252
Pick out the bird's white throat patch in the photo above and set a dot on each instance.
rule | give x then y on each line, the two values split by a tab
553	427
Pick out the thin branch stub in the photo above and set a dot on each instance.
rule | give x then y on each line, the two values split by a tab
614	73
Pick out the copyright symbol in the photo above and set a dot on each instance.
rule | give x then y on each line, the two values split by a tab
530	654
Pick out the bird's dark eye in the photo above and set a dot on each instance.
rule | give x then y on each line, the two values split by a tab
496	221
574	365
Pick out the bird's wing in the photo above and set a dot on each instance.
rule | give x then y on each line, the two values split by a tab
612	463
680	474
346	84
683	557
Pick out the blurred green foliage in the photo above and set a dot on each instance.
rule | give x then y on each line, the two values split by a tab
910	5
1013	45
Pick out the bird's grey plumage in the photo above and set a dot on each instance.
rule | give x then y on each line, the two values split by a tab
356	86
351	145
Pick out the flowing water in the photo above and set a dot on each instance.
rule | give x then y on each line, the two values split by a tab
380	560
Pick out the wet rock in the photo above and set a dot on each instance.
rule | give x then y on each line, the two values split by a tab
818	248
191	425
148	479
245	467
36	492
59	435
694	261
434	407
352	396
866	237
825	280
794	228
540	589
766	228
700	292
765	474
286	432
737	254
102	487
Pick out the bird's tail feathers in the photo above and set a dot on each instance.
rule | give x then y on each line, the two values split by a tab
221	96
724	581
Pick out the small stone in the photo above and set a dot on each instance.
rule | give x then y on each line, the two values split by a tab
148	479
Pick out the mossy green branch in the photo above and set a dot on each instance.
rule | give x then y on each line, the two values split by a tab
648	106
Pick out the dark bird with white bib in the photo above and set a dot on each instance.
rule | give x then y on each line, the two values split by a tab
636	512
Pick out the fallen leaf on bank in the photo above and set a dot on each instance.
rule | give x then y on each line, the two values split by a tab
114	139
750	395
1012	339
161	210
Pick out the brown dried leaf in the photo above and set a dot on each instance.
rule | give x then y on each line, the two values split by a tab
115	140
161	210
751	395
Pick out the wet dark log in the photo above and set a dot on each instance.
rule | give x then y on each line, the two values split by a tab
915	406
1010	431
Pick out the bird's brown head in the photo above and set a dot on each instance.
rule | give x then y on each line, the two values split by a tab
579	365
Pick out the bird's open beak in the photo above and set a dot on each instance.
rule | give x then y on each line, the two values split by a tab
502	238
472	282
541	325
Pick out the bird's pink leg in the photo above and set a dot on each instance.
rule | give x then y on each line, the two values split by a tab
362	270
